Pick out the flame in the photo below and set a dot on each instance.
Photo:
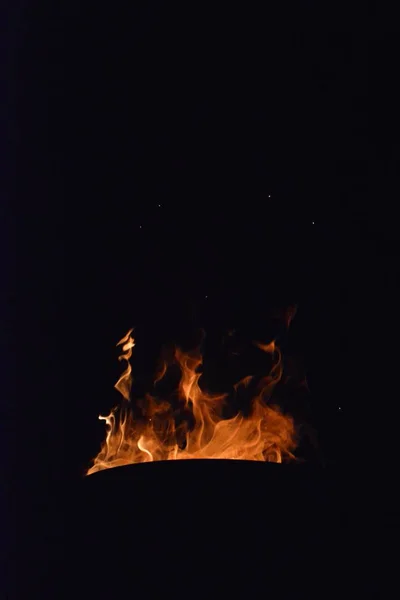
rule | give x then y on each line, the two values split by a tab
197	427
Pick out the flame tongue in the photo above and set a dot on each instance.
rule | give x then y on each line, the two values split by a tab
264	435
124	383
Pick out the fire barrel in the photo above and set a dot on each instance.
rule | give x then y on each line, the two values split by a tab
196	527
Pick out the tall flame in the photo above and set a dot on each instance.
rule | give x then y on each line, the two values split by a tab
266	434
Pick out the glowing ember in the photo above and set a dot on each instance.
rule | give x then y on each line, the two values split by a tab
197	429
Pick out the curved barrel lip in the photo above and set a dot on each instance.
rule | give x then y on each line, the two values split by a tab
194	473
206	465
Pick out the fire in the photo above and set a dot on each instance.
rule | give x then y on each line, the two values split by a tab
192	424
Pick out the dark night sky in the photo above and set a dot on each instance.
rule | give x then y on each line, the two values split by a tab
170	152
167	153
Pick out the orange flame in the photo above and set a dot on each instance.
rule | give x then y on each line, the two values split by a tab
266	434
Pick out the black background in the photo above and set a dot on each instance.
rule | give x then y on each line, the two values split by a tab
165	153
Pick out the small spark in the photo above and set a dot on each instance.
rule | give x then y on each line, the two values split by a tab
340	408
313	222
159	206
140	227
269	195
206	297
